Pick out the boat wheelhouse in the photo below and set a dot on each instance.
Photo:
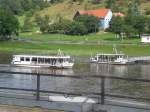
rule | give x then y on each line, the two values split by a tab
107	58
58	61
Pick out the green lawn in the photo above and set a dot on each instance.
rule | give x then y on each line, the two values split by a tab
74	50
44	44
91	38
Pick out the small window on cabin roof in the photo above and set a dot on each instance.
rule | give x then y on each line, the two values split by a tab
22	58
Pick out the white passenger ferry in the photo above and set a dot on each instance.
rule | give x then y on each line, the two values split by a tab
113	58
109	58
58	61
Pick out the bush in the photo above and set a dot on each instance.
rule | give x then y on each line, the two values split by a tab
27	26
60	27
77	28
68	27
96	1
43	23
147	11
91	22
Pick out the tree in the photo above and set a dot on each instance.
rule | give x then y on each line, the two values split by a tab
42	23
68	27
129	30
117	5
140	24
80	1
91	22
76	28
117	25
135	24
148	25
96	1
130	19
60	27
11	5
134	8
17	7
110	3
27	26
8	24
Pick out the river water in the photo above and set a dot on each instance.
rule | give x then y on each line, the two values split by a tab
82	67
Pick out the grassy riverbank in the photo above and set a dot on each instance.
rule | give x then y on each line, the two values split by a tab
100	37
71	49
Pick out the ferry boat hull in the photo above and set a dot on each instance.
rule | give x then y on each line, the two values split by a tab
43	66
120	61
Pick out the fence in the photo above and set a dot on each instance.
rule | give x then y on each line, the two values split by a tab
102	95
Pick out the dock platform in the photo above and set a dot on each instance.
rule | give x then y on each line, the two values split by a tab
141	59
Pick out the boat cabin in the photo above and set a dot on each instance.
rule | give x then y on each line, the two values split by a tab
106	58
49	61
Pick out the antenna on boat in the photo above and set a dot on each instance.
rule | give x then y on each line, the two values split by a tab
60	53
115	49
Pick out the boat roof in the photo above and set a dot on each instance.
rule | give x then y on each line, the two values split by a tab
38	56
121	54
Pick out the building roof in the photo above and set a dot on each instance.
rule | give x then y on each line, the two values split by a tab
119	14
100	13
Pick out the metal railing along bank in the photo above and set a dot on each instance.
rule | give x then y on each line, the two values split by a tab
102	95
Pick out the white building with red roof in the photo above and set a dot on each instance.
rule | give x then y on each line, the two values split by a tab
104	14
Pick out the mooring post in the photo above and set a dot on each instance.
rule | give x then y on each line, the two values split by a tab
102	90
38	88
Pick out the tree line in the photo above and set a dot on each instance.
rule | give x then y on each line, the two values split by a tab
134	24
130	26
18	7
81	25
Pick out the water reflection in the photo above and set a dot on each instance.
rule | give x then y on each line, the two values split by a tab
108	70
132	71
42	70
5	57
85	84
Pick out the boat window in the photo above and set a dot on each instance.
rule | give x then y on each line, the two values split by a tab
47	60
53	61
22	58
60	60
34	59
27	59
41	60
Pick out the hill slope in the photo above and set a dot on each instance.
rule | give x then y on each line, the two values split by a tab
67	9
